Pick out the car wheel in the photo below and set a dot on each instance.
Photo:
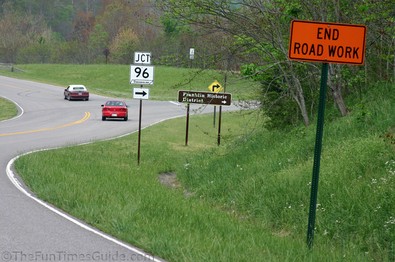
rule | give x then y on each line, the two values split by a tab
125	118
103	118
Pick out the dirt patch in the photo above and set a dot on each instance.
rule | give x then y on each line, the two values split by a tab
169	180
282	233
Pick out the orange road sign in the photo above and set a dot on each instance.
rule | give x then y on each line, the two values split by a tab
327	42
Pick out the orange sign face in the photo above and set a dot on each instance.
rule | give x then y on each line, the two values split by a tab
327	42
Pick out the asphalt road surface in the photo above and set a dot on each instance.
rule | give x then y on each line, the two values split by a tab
31	230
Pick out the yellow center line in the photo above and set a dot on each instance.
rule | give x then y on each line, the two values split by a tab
86	117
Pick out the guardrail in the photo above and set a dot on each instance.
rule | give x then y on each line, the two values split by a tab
9	67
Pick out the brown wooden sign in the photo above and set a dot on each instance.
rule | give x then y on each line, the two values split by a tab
196	97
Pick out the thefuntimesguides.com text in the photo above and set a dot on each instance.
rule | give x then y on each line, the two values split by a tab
58	256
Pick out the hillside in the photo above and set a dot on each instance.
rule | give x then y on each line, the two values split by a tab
245	200
265	177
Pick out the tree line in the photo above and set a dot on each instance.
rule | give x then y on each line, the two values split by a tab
246	36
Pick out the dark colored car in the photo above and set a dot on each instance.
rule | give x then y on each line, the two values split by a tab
114	109
76	92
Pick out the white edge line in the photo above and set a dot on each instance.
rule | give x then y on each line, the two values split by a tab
19	186
175	103
21	111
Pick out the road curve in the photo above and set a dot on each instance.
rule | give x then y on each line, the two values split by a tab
31	230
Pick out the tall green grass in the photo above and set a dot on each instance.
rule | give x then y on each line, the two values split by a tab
246	200
267	178
176	223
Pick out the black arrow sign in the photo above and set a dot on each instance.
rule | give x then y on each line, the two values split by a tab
140	93
215	86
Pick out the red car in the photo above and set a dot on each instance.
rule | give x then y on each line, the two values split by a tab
114	109
76	92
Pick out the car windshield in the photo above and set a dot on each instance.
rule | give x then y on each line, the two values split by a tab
114	103
79	88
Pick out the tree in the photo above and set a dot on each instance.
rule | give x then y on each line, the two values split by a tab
123	46
82	26
37	52
378	17
18	31
261	28
115	16
98	41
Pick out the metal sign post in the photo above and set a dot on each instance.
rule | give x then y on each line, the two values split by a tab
187	126
317	155
139	137
215	87
208	98
141	74
140	93
219	126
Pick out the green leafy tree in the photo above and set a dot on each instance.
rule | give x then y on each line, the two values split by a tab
115	16
98	41
37	52
18	31
261	29
123	47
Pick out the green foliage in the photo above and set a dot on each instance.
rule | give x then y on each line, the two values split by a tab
35	53
98	37
171	27
123	47
71	52
41	51
98	42
275	99
18	31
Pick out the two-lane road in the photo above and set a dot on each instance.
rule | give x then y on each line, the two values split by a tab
30	230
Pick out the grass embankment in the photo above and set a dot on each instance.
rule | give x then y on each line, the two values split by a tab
246	200
113	80
180	223
8	109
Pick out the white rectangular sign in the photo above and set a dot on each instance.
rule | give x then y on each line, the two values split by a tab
142	75
142	58
191	53
140	93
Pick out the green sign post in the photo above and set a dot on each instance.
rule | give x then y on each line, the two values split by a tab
317	155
